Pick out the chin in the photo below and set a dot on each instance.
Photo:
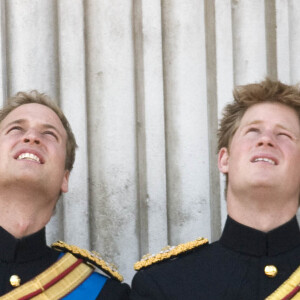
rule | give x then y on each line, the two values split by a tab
28	178
263	183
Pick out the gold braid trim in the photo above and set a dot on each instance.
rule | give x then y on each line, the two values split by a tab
46	286
292	282
93	258
168	252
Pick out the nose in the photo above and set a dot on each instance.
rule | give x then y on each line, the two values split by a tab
266	139
31	137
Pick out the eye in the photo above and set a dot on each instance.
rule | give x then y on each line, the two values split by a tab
285	134
14	128
252	129
51	134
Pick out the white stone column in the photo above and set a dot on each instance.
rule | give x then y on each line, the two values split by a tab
186	120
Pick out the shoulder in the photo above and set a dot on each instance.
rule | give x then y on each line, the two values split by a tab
106	286
192	264
114	290
91	258
170	253
170	272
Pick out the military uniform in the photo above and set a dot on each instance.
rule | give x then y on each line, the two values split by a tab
232	268
23	259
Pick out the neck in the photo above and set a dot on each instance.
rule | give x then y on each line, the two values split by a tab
23	214
261	211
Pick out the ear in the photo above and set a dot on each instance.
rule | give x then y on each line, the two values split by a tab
65	182
223	158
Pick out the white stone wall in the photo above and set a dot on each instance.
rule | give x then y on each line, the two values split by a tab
143	83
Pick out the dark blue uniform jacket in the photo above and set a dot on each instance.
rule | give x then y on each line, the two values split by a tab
231	268
30	256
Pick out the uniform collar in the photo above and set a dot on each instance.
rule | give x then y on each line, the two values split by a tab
28	248
250	241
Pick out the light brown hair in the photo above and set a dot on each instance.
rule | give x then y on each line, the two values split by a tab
247	95
22	98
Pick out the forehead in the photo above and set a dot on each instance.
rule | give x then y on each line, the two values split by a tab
35	113
276	113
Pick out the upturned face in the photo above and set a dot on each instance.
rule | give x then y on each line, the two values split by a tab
265	150
33	148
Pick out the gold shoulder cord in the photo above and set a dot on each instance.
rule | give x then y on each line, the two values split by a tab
168	252
92	257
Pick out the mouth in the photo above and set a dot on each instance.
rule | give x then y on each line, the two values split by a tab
266	160
34	157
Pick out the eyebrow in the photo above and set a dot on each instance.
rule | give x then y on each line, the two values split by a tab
261	121
277	125
19	121
253	123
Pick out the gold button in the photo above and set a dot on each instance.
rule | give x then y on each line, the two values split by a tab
271	271
15	280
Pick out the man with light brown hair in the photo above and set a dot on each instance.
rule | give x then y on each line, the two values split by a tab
37	152
259	153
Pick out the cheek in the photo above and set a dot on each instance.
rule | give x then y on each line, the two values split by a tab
242	142
61	158
291	152
6	146
238	157
295	161
292	158
56	153
238	150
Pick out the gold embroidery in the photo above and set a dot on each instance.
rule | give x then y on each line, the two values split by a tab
168	252
93	258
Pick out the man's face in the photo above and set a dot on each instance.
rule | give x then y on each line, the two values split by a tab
264	151
33	149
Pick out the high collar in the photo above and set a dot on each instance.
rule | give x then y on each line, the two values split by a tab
250	241
25	249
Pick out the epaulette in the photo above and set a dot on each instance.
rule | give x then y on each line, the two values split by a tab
168	252
90	257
